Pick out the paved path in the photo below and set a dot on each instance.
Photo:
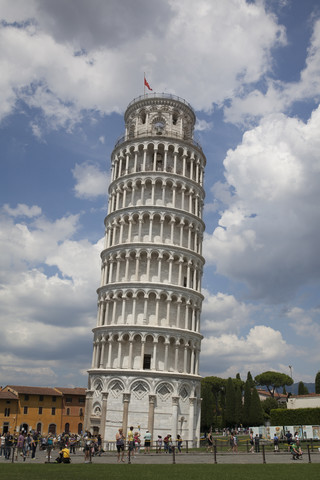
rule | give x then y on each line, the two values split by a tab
184	458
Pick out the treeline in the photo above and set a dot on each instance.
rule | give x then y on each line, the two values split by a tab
233	402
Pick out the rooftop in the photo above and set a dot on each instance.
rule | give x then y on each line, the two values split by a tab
33	390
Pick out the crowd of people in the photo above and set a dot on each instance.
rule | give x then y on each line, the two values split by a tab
26	444
134	440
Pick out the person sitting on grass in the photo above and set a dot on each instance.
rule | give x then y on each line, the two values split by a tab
64	455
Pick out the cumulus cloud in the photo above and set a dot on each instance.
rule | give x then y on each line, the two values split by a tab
228	354
22	210
91	181
47	292
279	96
68	58
305	322
224	313
203	126
270	222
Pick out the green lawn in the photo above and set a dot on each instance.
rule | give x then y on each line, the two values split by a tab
159	472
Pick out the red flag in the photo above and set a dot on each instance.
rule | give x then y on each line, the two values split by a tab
147	84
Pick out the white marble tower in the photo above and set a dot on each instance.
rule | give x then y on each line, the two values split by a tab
145	366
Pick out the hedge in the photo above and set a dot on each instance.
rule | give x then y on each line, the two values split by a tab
297	416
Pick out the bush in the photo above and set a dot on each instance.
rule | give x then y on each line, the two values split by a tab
297	416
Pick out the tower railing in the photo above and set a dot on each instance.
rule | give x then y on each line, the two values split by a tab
168	96
172	134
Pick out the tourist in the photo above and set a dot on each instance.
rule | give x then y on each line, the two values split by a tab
7	445
34	443
276	443
99	444
251	442
179	443
147	442
2	443
210	442
159	443
137	442
64	455
120	444
87	447
231	444
130	442
20	446
166	444
235	444
288	435
257	443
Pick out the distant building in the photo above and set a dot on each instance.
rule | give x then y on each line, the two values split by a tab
73	406
311	400
264	394
41	409
9	404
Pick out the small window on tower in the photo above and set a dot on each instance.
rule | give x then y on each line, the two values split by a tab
143	117
147	362
174	119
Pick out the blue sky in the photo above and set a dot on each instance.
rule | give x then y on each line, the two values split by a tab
251	71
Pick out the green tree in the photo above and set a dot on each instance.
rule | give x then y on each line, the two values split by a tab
256	412
267	405
230	404
273	380
250	380
302	389
317	382
217	387
207	406
246	405
238	408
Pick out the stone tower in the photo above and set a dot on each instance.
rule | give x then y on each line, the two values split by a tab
145	366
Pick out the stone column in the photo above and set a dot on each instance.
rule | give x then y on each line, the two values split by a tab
126	400
175	406
152	400
102	363
192	401
103	417
197	432
88	409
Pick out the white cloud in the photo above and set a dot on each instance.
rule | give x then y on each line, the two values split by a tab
224	313
228	354
279	96
91	181
62	67
203	126
268	230
305	323
47	293
22	210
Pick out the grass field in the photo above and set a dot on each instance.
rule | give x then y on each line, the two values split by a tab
159	472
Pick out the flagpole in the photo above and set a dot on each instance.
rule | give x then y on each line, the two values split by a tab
144	84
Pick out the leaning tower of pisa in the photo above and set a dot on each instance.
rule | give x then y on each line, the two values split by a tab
145	365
